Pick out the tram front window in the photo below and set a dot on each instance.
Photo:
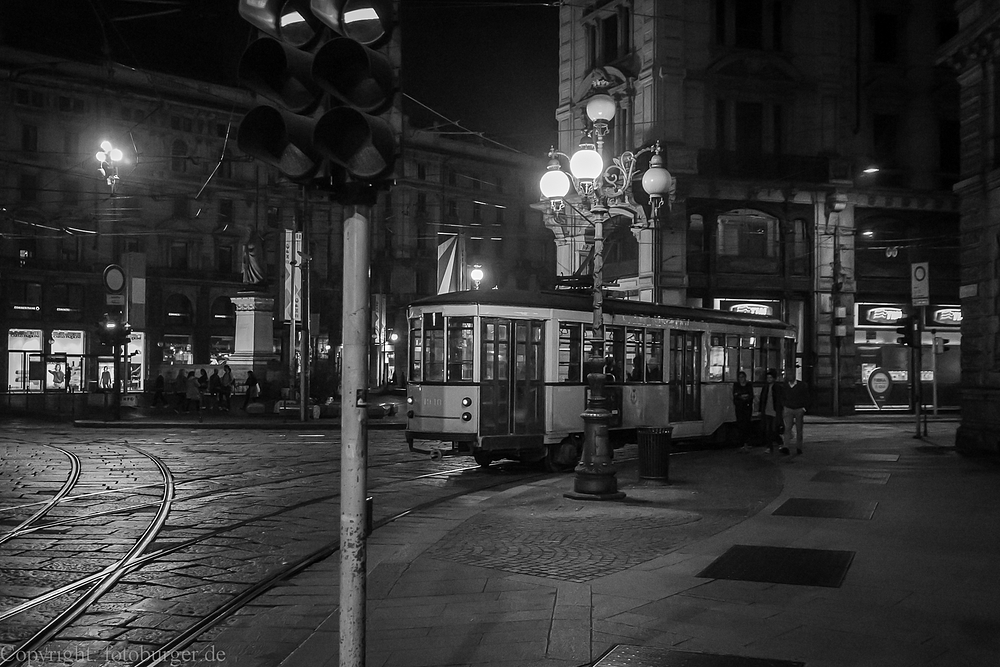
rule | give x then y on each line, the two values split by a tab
460	349
433	347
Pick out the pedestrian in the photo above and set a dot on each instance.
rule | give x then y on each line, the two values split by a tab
226	387
215	388
192	393
743	403
253	388
158	386
180	390
795	395
770	409
203	381
106	378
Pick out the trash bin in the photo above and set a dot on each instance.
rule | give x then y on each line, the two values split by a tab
654	452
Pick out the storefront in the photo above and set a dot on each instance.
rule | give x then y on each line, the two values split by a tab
66	365
884	366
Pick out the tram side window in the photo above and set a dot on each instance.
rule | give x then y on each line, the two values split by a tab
635	361
461	346
750	360
654	355
733	367
772	352
570	352
716	358
416	349
434	347
614	353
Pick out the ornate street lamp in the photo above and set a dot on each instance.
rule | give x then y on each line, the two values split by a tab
600	191
109	157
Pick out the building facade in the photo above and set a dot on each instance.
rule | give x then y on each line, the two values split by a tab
975	59
200	229
769	112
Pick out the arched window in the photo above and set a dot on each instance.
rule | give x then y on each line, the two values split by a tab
178	311
223	312
178	157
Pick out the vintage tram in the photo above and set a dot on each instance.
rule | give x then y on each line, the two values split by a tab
501	374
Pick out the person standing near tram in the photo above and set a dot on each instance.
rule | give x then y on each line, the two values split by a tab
771	407
743	404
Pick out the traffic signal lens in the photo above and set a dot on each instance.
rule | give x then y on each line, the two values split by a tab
362	21
354	74
295	28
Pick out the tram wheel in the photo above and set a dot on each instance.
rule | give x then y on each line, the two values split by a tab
564	456
484	459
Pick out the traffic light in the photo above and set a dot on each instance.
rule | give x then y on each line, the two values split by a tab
332	90
112	331
907	331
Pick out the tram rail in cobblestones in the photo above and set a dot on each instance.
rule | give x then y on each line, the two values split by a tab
156	551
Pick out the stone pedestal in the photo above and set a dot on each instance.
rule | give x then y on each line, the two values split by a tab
254	347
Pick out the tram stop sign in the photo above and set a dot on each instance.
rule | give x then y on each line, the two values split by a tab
114	285
920	284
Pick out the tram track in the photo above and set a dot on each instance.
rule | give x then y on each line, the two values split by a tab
107	579
97	584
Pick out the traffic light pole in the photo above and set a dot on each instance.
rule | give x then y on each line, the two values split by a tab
918	380
354	438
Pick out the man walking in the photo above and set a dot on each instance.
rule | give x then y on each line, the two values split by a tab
795	395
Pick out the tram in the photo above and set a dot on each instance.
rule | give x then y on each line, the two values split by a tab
500	374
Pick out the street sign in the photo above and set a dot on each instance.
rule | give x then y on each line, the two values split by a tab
920	284
114	299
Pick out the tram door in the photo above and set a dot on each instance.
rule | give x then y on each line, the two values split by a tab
512	389
685	375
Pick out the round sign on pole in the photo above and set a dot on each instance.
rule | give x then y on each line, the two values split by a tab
114	278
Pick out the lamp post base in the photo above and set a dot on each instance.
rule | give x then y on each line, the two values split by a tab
595	476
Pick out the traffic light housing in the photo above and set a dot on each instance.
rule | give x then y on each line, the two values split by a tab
907	331
330	122
941	345
112	331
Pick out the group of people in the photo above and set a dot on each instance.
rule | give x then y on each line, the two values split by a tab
782	406
192	390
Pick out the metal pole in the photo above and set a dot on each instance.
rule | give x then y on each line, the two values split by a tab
354	438
918	400
304	335
934	377
595	475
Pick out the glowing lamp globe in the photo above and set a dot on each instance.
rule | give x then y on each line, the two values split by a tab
586	164
554	184
476	274
601	108
105	145
656	180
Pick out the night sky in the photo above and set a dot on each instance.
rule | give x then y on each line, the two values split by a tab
490	65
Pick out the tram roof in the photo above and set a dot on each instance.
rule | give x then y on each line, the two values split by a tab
580	301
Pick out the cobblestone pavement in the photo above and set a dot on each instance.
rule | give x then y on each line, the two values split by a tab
246	504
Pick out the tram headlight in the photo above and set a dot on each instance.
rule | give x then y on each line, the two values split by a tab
466	416
466	402
409	414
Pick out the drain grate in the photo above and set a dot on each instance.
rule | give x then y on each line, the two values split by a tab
624	655
781	565
826	509
851	477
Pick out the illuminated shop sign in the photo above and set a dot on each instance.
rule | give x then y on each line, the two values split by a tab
945	317
876	315
758	308
869	315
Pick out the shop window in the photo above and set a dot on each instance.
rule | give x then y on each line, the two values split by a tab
177	350
222	348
